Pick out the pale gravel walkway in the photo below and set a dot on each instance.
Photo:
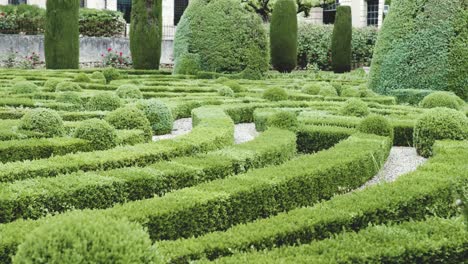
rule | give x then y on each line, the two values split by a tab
401	160
242	132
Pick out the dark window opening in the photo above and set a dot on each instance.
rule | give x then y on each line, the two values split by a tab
179	9
17	2
373	12
82	3
329	12
125	6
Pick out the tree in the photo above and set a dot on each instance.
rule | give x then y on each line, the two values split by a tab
341	40
265	7
146	33
283	36
61	38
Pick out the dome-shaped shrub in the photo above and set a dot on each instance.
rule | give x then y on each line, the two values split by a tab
354	107
67	86
104	102
284	120
275	94
98	77
441	99
235	86
82	77
351	92
99	132
50	85
43	121
69	97
225	91
376	124
328	90
159	116
81	238
130	91
130	117
24	87
111	74
232	40
438	124
312	88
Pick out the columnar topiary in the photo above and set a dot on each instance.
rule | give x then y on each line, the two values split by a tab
146	33
61	38
283	35
159	116
341	40
226	37
99	132
438	124
81	238
45	122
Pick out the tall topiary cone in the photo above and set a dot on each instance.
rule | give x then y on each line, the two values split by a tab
61	39
341	40
146	33
283	35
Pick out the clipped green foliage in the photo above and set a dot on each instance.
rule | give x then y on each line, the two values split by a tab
226	91
458	56
146	33
376	124
82	77
442	99
187	63
81	238
314	88
159	116
104	102
129	91
99	132
235	86
98	77
351	92
67	86
111	74
43	121
439	124
69	97
341	40
232	43
275	94
283	35
355	107
283	120
130	117
50	85
328	90
61	38
24	87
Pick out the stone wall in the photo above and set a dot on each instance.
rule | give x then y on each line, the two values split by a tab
91	48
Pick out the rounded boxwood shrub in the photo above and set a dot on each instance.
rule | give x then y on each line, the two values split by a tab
159	116
104	102
61	38
327	90
312	88
67	86
98	77
69	97
442	99
82	238
43	121
99	132
283	35
111	74
146	33
376	124
187	63
351	92
50	85
284	120
233	39
129	91
226	91
355	107
438	124
275	94
82	77
24	87
130	117
235	86
341	40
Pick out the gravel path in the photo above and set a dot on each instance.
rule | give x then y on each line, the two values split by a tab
400	161
242	132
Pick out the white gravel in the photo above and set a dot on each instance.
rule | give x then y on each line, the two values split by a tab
242	132
401	160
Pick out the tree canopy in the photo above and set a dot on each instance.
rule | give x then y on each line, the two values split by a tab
265	7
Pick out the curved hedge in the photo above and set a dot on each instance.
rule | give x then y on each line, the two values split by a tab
228	43
283	36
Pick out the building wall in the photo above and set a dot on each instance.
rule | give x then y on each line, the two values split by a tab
97	4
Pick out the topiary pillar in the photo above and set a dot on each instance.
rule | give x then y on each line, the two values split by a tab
341	40
283	36
61	38
146	33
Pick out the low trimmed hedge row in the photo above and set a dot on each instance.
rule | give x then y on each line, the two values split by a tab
311	139
34	198
435	240
214	130
431	190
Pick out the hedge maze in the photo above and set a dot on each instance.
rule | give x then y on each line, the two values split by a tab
79	145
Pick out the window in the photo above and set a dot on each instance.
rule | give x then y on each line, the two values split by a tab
329	12
125	6
373	12
17	2
179	8
82	3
